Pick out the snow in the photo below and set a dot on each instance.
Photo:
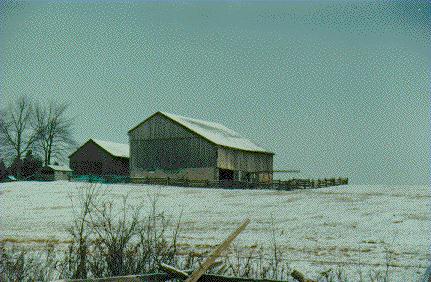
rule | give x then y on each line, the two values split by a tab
355	227
217	133
59	168
115	149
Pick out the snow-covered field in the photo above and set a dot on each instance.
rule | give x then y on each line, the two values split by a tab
354	227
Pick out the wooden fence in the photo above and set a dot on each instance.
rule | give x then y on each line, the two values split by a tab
274	185
290	184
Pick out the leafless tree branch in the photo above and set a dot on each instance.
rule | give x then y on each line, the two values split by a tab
55	127
17	135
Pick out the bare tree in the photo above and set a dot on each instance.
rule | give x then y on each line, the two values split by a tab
55	131
17	135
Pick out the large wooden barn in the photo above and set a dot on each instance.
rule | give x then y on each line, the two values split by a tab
101	158
171	146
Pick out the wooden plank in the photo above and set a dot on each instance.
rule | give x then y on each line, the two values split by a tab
155	277
174	271
159	277
220	278
216	253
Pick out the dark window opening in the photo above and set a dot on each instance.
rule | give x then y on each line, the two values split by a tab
225	174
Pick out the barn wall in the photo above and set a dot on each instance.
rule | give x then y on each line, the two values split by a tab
160	144
61	175
204	173
238	160
90	159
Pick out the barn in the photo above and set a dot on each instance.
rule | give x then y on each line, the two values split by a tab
101	158
166	145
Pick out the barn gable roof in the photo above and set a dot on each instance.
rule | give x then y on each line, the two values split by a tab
213	132
115	149
59	168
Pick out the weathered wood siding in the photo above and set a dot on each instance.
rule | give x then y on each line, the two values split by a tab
51	175
161	144
238	160
198	173
61	175
90	159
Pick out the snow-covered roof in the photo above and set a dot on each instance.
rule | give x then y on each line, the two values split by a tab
115	149
216	133
59	167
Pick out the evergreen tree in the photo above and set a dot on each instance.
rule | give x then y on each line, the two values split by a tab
3	170
15	168
31	165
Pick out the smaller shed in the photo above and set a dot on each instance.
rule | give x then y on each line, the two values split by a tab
100	158
55	172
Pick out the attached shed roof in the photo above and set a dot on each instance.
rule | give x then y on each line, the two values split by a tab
214	132
115	149
59	168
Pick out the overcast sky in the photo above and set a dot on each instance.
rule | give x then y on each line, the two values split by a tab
333	88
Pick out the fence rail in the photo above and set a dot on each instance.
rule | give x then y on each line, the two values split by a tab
290	184
274	185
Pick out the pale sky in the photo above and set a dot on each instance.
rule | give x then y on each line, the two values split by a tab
332	88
